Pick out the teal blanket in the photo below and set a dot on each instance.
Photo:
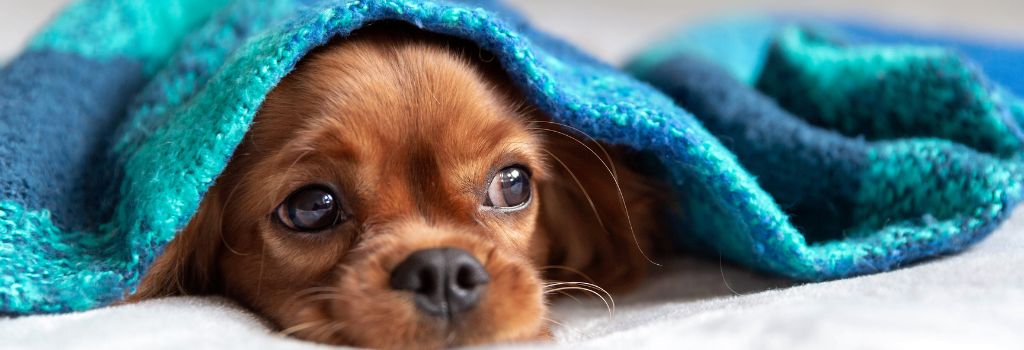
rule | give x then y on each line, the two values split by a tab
790	150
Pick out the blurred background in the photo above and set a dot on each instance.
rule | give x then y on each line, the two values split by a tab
612	29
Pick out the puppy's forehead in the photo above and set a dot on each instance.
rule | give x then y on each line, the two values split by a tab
380	102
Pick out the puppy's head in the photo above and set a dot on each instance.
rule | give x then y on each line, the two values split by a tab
391	193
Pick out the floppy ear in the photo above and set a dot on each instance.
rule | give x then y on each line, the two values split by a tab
584	213
188	263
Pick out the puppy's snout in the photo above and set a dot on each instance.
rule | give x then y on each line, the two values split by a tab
444	281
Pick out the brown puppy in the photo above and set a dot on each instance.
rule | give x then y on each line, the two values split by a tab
394	192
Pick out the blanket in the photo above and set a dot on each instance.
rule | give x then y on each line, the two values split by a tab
878	155
121	114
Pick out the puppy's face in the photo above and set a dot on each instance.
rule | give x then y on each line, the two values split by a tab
394	187
391	193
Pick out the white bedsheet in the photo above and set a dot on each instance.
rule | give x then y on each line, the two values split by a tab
973	300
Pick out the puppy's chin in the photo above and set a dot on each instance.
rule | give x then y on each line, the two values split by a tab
359	307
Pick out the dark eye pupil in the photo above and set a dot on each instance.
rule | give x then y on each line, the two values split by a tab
311	209
514	186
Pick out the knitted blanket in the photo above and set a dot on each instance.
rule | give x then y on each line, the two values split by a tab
873	155
813	161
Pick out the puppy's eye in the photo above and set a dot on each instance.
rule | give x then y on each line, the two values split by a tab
509	188
310	208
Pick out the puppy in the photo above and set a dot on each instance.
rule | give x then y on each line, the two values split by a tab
395	191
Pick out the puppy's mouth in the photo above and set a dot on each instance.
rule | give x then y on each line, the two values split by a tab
443	293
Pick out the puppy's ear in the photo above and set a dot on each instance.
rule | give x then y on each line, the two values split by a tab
584	213
188	263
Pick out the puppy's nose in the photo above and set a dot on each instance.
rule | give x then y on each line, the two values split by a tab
444	281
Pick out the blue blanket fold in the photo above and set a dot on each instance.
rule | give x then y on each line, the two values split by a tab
878	155
791	150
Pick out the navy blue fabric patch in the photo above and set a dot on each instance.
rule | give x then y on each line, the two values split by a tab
47	96
763	135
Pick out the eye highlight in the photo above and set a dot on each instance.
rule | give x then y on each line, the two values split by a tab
311	208
510	188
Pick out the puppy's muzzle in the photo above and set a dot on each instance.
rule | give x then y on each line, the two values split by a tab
445	282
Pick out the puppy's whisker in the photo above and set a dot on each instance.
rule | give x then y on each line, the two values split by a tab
300	327
323	297
479	222
450	340
280	183
586	195
618	188
563	290
299	297
590	138
604	163
319	289
525	110
180	275
326	331
567	295
334	328
581	284
721	269
224	211
566	268
607	305
578	333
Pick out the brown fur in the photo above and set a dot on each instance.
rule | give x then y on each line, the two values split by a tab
407	128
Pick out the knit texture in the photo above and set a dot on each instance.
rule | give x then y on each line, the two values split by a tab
875	155
122	113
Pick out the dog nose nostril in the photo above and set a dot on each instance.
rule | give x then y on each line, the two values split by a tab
464	279
426	281
444	281
468	274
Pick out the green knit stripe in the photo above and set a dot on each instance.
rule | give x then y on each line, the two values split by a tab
148	30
